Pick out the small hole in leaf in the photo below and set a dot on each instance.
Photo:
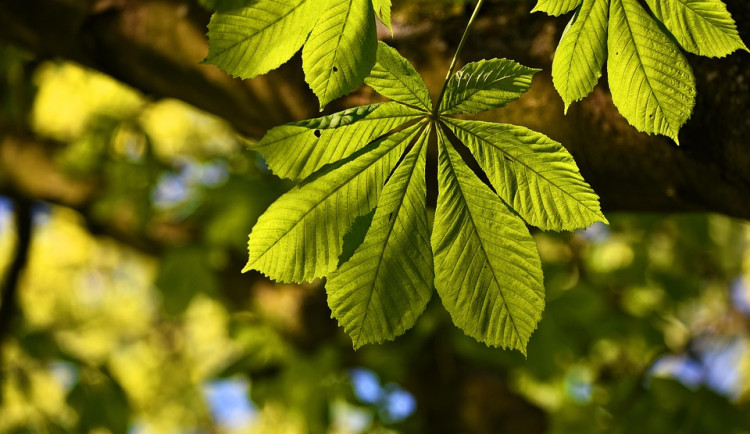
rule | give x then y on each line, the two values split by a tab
317	133
335	69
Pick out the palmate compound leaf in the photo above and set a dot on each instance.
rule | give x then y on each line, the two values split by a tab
651	82
486	85
532	173
580	56
487	269
485	263
381	291
250	38
299	238
702	27
298	149
341	49
556	7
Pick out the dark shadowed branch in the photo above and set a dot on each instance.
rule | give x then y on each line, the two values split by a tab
9	293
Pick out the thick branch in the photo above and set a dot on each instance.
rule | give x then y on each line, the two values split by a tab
156	46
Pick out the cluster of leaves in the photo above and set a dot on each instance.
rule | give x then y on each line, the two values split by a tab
651	81
480	255
247	39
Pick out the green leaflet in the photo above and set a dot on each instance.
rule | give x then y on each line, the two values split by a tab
341	49
580	56
703	27
298	149
532	173
383	11
486	85
299	238
252	40
381	291
556	7
394	77
651	82
487	270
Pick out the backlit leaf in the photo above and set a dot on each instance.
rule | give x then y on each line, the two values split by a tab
299	238
381	291
580	56
486	85
383	11
252	40
298	149
487	269
532	173
702	27
341	49
556	7
394	77
651	82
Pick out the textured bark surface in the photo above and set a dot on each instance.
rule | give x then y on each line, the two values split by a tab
156	46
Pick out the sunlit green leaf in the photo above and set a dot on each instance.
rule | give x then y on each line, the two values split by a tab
252	40
381	291
341	49
383	11
299	237
702	27
651	82
486	85
297	149
487	269
580	56
394	77
556	7
532	173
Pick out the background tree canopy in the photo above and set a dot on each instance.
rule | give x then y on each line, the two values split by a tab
127	193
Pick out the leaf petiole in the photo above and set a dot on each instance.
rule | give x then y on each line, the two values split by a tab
436	109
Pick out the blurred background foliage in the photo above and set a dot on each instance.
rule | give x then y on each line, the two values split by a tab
132	316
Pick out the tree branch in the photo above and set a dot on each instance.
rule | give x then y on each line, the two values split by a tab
9	292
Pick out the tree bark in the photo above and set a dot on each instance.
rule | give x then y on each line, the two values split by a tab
156	46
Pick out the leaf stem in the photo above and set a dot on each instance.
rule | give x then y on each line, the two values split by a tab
436	109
